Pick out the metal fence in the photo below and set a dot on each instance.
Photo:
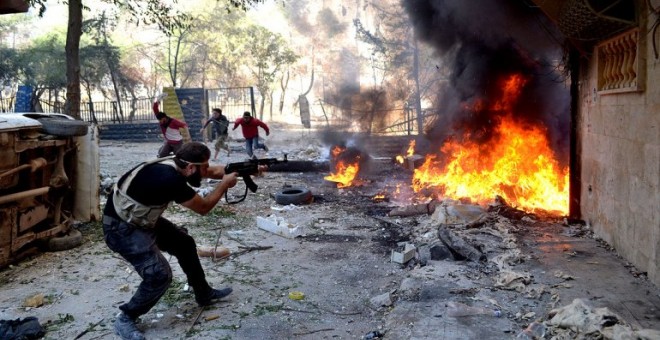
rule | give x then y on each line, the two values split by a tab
232	100
125	111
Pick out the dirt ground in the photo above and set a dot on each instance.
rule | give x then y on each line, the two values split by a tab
535	266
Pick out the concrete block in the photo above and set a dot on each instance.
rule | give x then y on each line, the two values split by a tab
279	226
404	253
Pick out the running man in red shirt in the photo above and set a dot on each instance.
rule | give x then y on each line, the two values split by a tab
170	128
250	128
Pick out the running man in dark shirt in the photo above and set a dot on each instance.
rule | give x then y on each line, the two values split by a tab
220	126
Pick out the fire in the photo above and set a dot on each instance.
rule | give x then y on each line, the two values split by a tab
411	148
518	165
345	171
411	151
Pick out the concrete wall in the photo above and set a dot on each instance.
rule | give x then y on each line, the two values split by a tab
620	160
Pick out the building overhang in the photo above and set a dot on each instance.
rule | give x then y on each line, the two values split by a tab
13	6
586	22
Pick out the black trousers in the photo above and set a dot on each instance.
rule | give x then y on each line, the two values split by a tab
142	247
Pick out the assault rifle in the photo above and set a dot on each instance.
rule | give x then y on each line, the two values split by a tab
247	169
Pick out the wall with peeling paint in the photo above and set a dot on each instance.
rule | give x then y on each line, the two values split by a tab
619	141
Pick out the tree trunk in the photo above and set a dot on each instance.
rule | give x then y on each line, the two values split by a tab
270	105
113	74
417	100
262	105
72	49
284	84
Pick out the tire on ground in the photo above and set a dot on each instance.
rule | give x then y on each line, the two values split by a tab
63	127
67	241
296	196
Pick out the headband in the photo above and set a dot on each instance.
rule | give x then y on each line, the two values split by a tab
193	163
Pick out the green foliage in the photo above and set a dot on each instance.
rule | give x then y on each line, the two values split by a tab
9	24
175	293
215	49
220	212
43	62
9	65
242	4
268	53
62	319
140	12
260	310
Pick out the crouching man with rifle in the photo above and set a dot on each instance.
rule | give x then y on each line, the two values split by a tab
250	168
134	228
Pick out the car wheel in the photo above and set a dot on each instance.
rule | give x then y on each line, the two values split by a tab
296	196
63	127
67	241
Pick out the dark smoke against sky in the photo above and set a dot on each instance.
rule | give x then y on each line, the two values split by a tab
483	42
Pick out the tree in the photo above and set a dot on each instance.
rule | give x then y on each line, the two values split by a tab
404	65
148	12
268	53
97	29
40	68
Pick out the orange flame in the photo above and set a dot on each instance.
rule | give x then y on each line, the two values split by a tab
411	151
518	165
345	172
411	148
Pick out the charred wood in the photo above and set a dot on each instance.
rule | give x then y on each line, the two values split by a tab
415	209
459	247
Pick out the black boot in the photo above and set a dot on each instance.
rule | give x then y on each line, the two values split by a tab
125	328
213	296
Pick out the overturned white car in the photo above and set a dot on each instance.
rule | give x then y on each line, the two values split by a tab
48	179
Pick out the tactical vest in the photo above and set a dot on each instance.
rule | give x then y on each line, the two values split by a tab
132	211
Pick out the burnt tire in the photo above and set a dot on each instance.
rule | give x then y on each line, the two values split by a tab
67	241
64	127
294	196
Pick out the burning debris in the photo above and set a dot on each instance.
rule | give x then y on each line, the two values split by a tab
380	197
410	160
347	163
503	118
517	163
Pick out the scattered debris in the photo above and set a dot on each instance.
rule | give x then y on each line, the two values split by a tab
582	320
373	335
295	295
382	300
211	317
34	301
215	252
88	329
415	209
459	247
404	253
278	226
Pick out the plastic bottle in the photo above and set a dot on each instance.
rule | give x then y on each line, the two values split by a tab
535	330
456	309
